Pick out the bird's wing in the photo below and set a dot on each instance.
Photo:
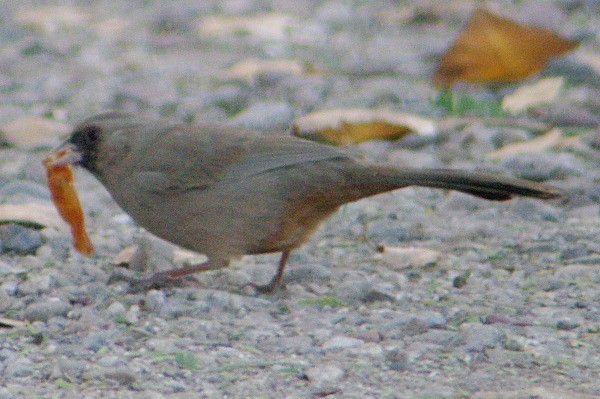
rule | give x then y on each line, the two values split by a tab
198	158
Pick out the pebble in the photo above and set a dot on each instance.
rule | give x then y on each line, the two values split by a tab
116	309
306	273
43	311
566	324
396	359
122	375
401	258
265	117
341	342
19	239
325	379
479	337
154	300
20	367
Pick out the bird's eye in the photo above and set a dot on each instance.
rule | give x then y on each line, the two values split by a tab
86	136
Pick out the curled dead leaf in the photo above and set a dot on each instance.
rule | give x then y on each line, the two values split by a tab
355	125
267	26
539	144
249	69
35	215
34	132
493	49
543	91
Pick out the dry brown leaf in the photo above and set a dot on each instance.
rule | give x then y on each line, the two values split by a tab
249	69
267	26
11	323
355	125
401	258
493	49
31	214
543	91
124	257
34	132
539	144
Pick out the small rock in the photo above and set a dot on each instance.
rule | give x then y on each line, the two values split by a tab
122	375
133	314
24	189
396	359
21	367
566	324
43	311
478	337
70	368
461	280
95	340
265	116
325	379
6	302
536	210
19	239
341	342
307	273
116	309
162	345
401	258
353	290
154	300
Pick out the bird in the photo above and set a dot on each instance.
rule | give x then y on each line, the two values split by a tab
226	191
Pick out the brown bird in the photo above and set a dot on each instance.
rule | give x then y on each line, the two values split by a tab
226	192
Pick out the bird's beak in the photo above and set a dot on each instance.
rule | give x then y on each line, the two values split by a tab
66	154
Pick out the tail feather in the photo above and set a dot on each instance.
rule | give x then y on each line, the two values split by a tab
484	185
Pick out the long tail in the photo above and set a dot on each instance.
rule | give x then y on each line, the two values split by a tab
484	185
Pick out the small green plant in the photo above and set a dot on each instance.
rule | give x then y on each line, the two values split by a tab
461	105
323	301
186	360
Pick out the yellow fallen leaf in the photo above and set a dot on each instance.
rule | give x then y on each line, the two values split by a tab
543	91
267	26
249	69
355	125
493	49
539	144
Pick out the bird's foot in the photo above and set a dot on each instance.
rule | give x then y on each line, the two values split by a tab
144	283
271	288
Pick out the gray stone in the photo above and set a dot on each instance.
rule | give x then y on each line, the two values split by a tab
23	189
19	239
70	368
396	359
566	324
341	342
122	375
478	337
265	116
43	311
307	273
21	367
325	378
154	300
116	309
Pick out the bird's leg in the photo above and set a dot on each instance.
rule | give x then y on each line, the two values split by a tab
165	278
269	288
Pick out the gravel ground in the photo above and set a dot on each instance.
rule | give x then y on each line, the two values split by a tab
499	300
